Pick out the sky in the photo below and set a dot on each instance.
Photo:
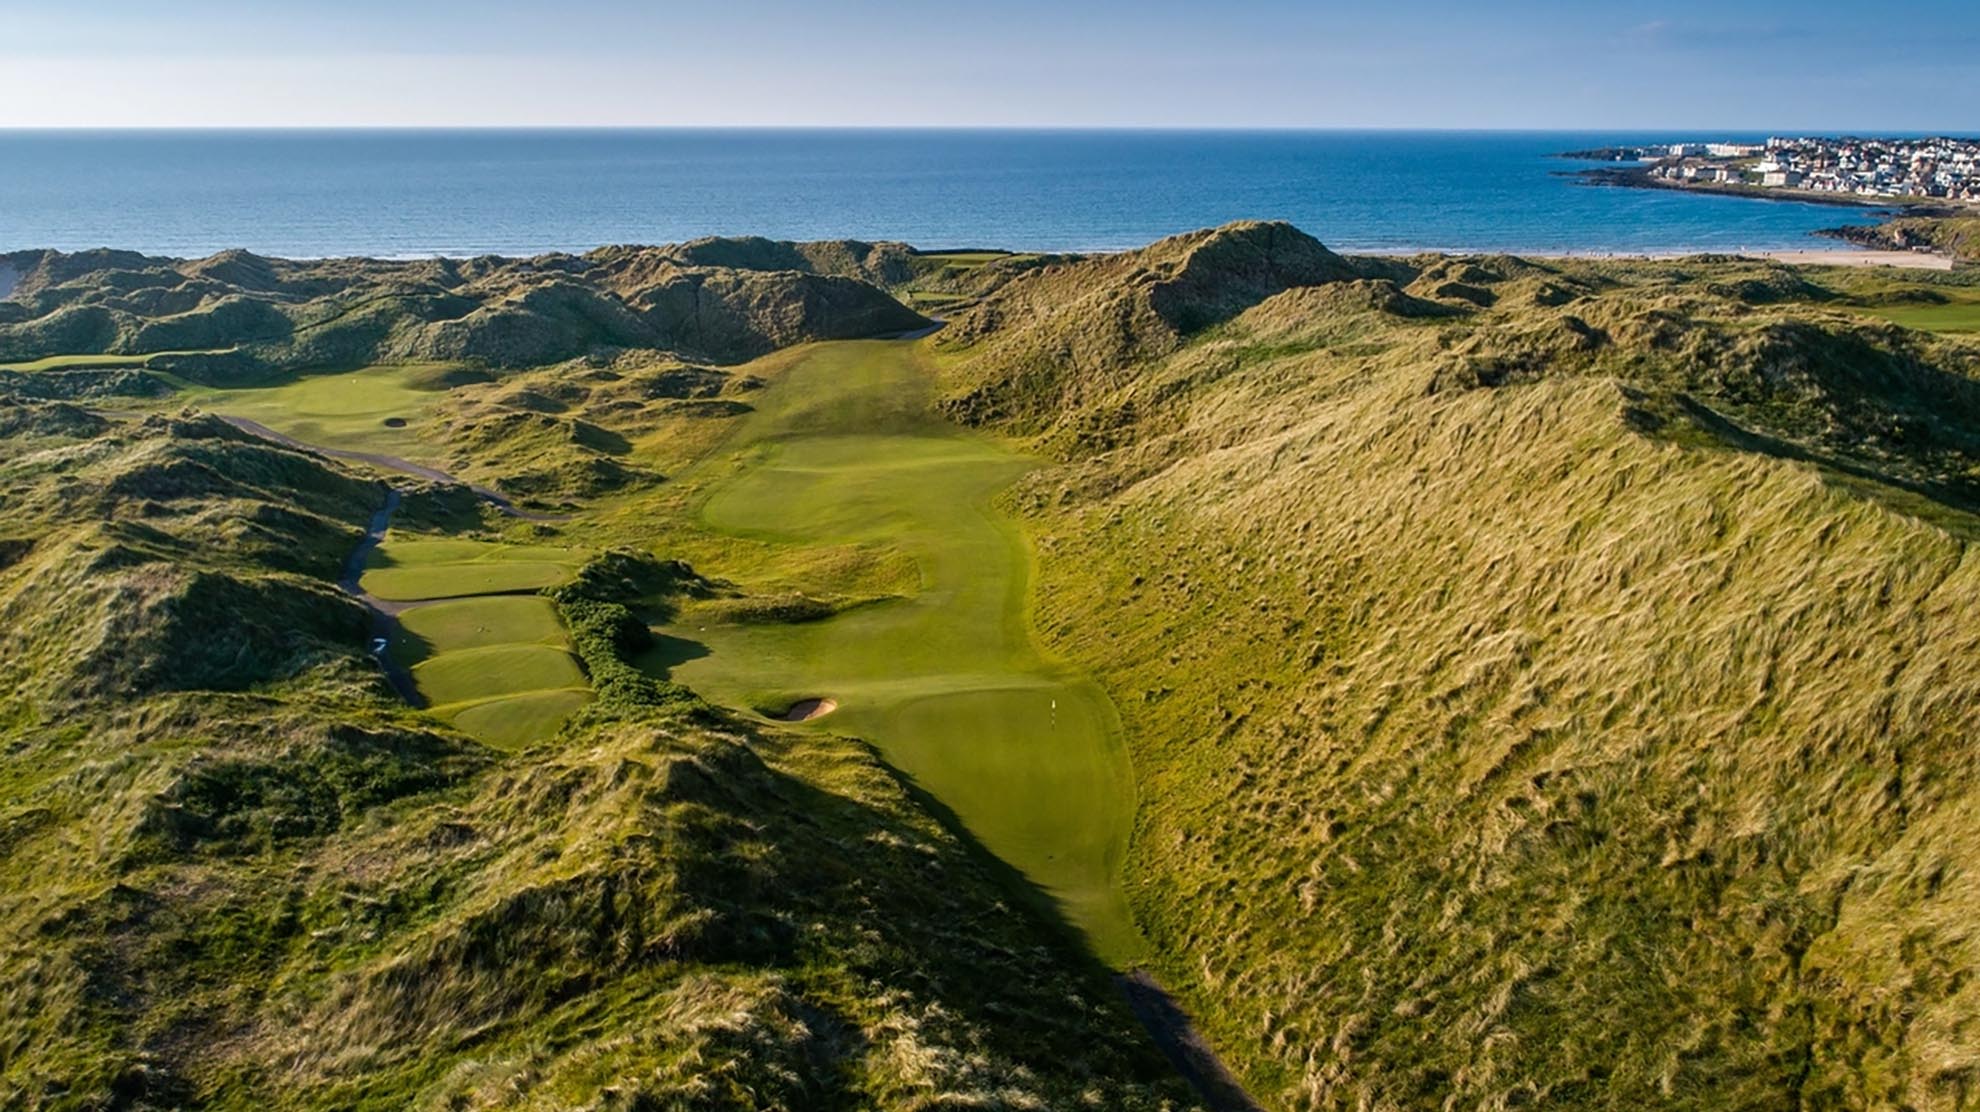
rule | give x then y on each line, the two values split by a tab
1801	65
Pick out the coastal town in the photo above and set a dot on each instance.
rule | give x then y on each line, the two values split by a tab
1849	168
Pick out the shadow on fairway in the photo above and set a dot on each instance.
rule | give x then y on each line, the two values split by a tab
667	652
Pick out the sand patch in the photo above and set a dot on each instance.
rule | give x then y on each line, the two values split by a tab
1915	260
1794	256
804	710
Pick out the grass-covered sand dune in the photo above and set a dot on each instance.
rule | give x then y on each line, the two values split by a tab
1547	683
1463	682
238	873
236	317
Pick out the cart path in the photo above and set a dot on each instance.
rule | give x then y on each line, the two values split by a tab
488	494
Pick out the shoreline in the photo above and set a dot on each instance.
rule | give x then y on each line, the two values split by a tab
1845	253
1639	178
1793	256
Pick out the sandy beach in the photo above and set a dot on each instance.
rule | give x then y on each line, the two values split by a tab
1916	260
1820	256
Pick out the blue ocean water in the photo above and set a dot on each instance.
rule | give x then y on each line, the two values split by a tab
467	192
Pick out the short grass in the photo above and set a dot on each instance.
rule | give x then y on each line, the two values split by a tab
495	671
1959	313
411	569
349	410
1947	302
491	659
965	258
516	721
475	623
98	361
843	454
462	580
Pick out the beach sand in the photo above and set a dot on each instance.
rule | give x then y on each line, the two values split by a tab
1844	256
1822	256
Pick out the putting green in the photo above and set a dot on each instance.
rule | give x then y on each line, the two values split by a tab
493	672
409	570
461	580
475	623
348	410
844	447
402	551
519	720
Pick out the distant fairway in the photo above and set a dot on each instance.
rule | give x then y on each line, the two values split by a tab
87	362
408	570
347	410
1961	313
843	448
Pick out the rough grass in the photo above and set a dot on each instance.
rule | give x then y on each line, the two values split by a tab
1511	731
1548	684
277	314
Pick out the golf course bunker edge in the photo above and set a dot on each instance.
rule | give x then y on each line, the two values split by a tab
804	710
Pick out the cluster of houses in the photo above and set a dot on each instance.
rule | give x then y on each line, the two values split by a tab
1939	167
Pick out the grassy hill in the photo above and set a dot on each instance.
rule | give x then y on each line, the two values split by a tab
1955	236
234	317
236	873
1547	683
1543	682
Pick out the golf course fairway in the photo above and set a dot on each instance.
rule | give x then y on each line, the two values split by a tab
845	447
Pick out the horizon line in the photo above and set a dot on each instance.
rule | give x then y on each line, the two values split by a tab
1003	127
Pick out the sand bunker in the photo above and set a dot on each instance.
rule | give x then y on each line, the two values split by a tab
804	710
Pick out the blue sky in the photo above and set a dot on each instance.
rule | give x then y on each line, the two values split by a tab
1734	64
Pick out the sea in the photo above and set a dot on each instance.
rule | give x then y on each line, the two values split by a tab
416	193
